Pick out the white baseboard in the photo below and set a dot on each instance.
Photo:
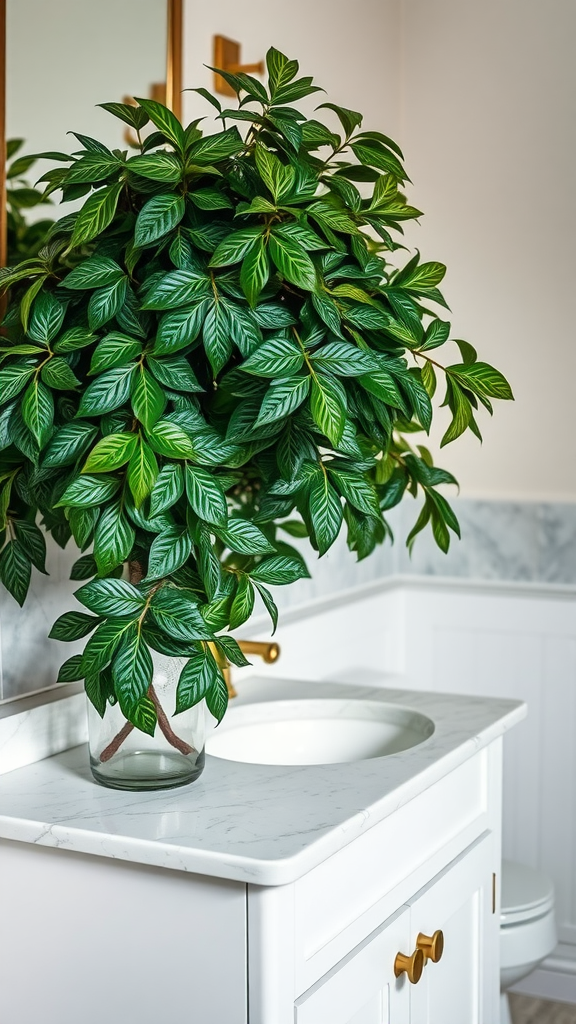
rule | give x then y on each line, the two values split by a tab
555	979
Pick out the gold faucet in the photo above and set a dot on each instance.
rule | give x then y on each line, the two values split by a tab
268	651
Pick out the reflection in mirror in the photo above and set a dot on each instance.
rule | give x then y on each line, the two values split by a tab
66	56
63	58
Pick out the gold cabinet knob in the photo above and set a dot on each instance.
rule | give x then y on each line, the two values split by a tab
432	946
410	965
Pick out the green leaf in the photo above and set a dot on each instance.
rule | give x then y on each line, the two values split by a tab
169	439
88	490
114	538
211	199
279	570
206	496
164	120
57	374
357	490
276	357
68	443
109	391
83	568
156	218
178	615
100	648
82	523
437	333
168	488
344	359
93	167
148	399
32	541
15	570
280	69
136	117
482	379
13	379
142	472
278	177
244	537
214	148
114	350
95	272
158	166
282	398
269	604
293	262
177	288
132	672
325	512
196	678
46	320
216	337
461	412
110	597
175	373
96	214
71	670
255	271
75	338
168	552
235	246
73	626
180	329
243	602
217	698
38	410
106	302
110	453
328	406
349	119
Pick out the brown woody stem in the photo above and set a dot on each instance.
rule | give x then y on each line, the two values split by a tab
136	574
165	726
117	742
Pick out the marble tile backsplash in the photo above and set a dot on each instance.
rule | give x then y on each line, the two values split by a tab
516	541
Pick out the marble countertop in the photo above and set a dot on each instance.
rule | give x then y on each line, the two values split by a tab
264	824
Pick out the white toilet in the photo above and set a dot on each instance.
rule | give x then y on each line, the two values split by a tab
527	926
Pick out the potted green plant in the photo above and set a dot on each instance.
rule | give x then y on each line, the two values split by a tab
219	351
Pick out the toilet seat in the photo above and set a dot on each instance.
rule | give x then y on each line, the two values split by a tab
527	894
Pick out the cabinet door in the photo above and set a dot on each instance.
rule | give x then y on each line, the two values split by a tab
462	987
362	988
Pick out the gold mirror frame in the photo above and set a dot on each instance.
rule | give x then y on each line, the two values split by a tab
175	19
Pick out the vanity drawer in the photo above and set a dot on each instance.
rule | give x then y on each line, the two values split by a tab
340	902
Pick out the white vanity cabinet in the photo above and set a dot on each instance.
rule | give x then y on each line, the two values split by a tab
262	895
432	866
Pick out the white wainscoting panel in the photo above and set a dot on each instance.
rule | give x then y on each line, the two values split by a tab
510	640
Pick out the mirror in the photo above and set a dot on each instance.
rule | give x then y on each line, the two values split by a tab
62	58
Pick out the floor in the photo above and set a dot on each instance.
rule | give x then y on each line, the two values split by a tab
539	1011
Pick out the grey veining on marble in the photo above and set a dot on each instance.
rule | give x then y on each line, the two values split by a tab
523	542
528	542
257	823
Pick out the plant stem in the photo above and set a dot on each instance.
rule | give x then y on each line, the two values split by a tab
165	726
117	742
136	574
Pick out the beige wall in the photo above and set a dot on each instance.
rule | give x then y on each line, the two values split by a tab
482	97
489	121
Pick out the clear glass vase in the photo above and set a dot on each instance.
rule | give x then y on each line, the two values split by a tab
123	757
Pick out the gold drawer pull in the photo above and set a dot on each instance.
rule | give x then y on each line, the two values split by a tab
411	965
432	946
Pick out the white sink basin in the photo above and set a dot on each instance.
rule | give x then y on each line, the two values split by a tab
324	731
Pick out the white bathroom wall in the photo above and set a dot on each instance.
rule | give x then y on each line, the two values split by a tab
352	50
488	114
